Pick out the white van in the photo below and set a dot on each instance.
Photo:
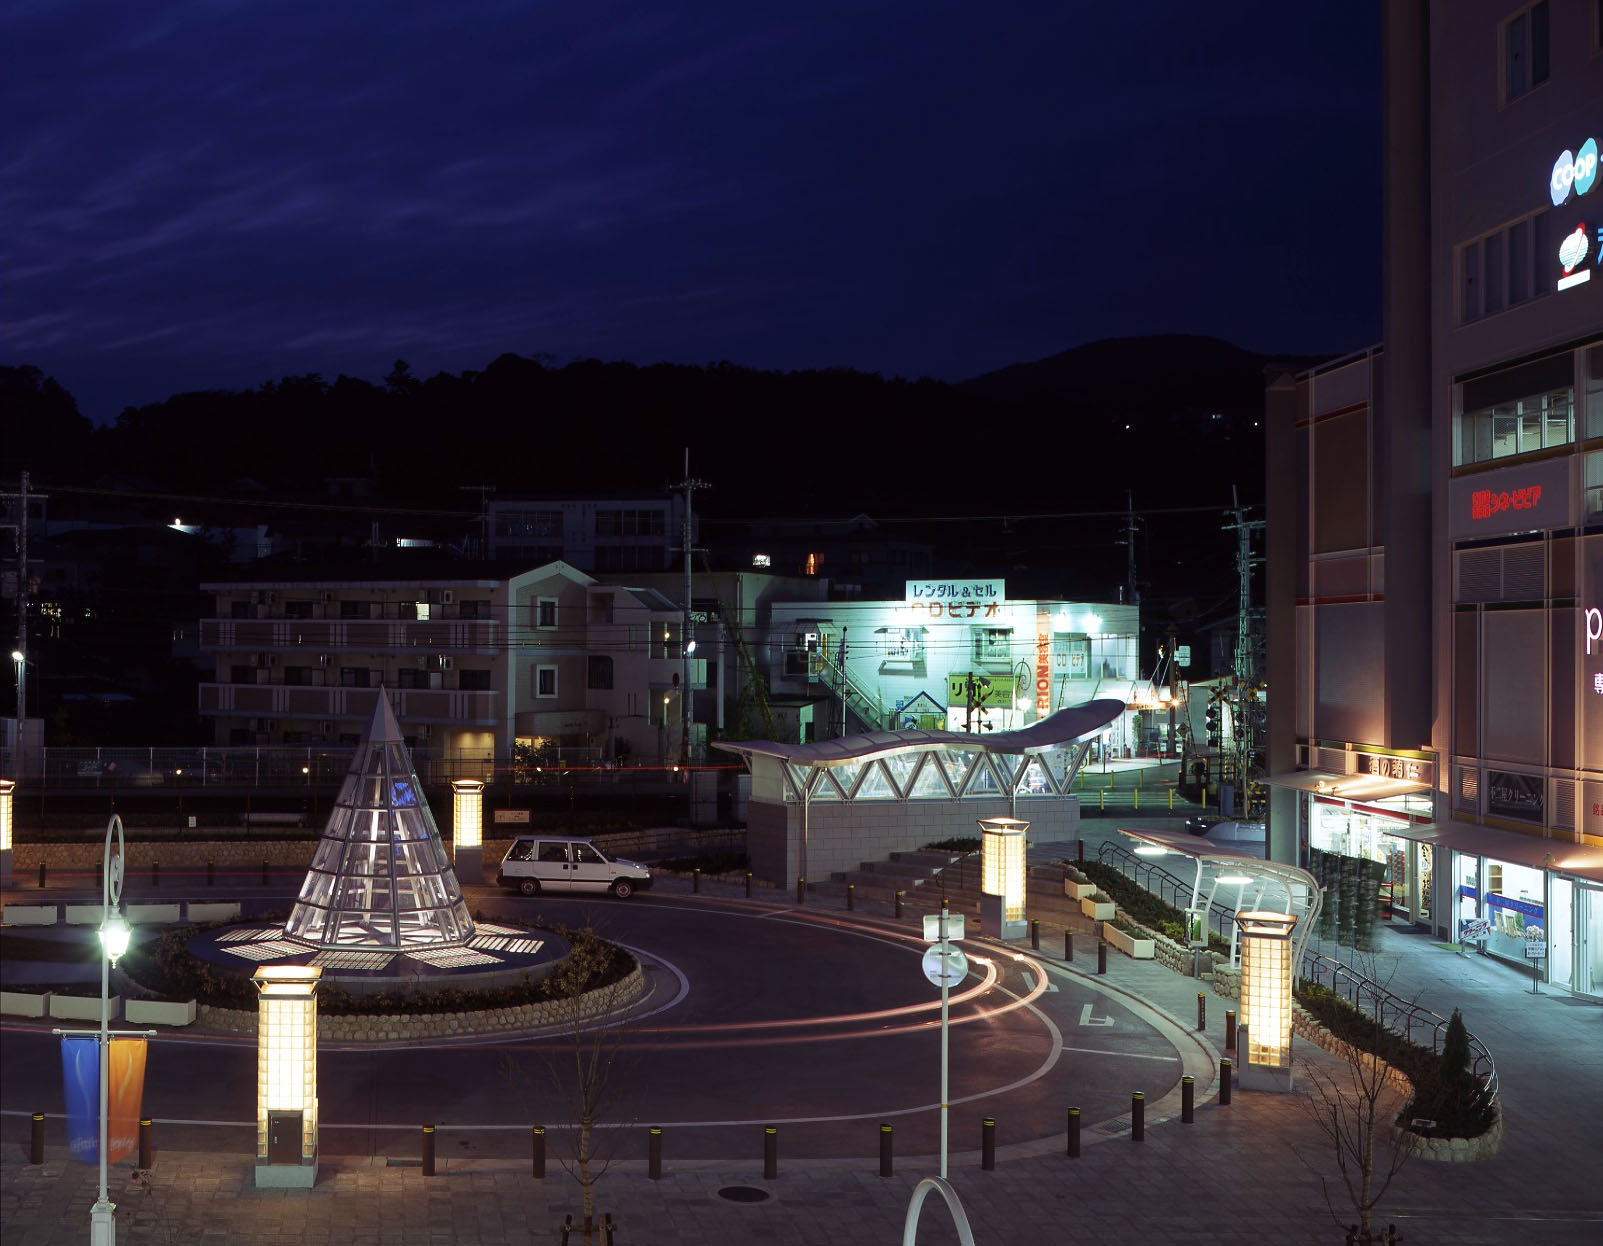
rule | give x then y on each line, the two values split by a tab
560	864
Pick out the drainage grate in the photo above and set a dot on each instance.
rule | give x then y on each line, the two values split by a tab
743	1194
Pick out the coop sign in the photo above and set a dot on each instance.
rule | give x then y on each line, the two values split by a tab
1573	173
944	591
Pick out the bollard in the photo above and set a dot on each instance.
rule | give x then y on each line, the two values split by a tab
1102	799
851	897
147	1143
1035	936
884	1150
1230	1029
1171	800
42	875
1068	945
537	1152
899	896
264	871
211	873
1079	851
1102	956
1137	795
1202	1010
1138	1117
988	1144
770	1152
695	880
748	884
801	890
155	872
1226	1069
428	1150
654	1152
36	1140
1074	1133
1188	1100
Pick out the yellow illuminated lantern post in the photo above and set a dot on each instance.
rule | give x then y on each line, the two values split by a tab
1264	1036
286	1076
467	834
1002	877
6	789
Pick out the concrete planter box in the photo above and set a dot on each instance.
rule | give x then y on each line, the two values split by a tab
82	1007
25	1004
1133	946
32	914
159	1012
1098	912
152	914
212	912
84	914
1077	891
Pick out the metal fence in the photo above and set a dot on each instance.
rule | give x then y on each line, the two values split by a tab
278	766
1390	1010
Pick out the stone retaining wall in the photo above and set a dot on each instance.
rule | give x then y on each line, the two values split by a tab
397	1027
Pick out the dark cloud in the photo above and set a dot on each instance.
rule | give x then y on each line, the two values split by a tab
214	193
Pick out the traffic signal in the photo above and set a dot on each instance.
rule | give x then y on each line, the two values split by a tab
1213	725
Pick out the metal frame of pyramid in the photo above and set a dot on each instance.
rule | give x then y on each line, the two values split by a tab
380	879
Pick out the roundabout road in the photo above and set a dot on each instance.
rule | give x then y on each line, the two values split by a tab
816	1020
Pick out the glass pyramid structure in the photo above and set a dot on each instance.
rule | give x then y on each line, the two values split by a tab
380	880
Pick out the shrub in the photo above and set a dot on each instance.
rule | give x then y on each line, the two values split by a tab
960	844
707	863
1141	904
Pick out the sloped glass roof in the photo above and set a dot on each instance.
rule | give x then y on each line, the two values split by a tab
380	879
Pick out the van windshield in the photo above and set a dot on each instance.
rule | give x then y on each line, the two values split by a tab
588	854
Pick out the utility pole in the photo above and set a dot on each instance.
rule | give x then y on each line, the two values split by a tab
1132	585
687	642
484	492
21	498
1245	708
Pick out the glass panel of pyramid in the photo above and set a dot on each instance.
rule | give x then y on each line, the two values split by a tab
380	879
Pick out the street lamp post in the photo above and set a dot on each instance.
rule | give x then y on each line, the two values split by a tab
114	936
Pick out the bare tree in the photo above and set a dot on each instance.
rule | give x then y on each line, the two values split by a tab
586	995
1355	1105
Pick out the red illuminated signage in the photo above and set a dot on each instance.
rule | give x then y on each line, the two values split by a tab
1043	662
1484	503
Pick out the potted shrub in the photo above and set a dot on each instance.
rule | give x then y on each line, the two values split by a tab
1076	886
1098	906
1130	939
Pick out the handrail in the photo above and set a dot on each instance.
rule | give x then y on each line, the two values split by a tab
1387	1006
1345	981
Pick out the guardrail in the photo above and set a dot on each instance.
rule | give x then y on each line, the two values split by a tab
1390	1010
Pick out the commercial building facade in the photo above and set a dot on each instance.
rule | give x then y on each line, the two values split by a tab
1436	507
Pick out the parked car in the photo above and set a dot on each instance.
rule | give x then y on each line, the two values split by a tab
561	863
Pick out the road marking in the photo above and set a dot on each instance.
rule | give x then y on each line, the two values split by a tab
1089	1019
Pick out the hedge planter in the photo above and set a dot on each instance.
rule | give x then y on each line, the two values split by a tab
159	1012
1098	911
1133	946
83	1007
1077	891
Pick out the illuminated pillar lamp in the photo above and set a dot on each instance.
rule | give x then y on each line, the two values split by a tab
1002	876
6	789
1264	1036
286	1076
467	833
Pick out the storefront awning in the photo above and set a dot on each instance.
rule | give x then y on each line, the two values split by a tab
1581	860
1346	786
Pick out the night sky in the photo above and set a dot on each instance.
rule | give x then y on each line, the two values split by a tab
215	193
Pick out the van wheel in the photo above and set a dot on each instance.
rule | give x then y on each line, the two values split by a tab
623	888
530	886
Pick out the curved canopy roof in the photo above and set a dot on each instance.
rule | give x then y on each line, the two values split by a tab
1069	725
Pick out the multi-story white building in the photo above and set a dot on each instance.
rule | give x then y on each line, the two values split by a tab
953	655
1436	505
605	535
477	665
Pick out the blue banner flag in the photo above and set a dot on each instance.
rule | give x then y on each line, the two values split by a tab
80	1070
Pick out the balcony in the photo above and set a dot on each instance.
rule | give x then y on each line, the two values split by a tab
360	635
354	706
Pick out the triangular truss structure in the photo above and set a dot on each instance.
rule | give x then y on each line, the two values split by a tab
381	880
